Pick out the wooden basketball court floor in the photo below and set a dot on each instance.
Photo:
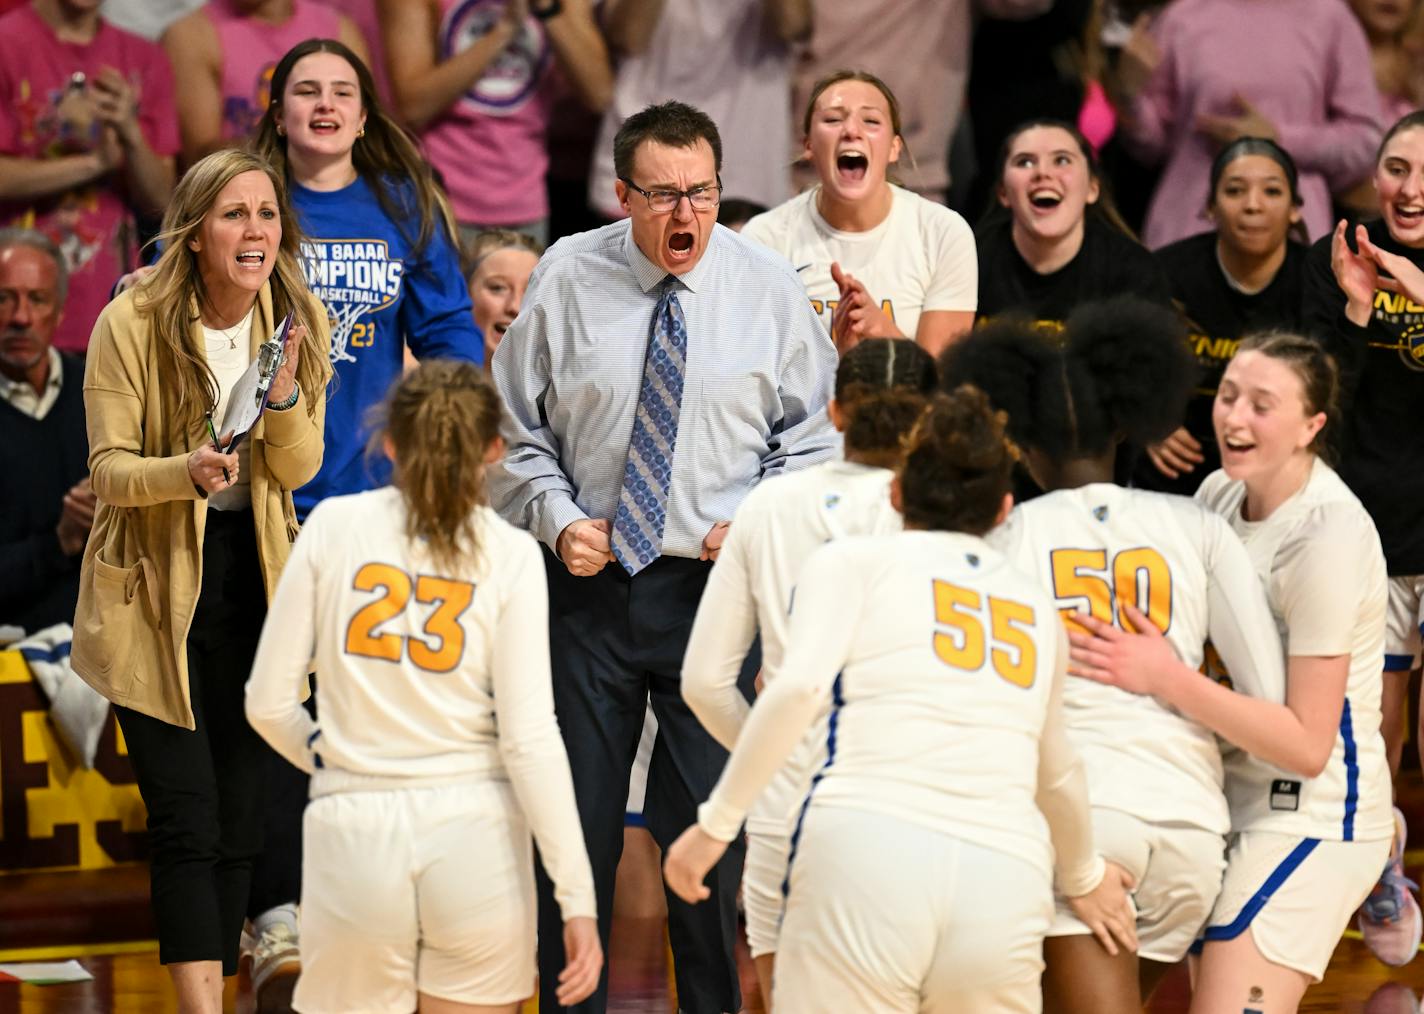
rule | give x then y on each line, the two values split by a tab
132	982
129	980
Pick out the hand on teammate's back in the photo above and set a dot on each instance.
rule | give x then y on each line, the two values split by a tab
584	952
1107	910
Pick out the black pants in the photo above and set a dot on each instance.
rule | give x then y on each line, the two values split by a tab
615	641
203	788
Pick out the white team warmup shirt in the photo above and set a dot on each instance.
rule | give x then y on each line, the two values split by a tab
944	667
425	678
1319	557
777	527
1181	564
922	257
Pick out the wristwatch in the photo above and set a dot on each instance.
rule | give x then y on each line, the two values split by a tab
545	11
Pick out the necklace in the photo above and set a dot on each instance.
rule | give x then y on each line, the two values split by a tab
231	333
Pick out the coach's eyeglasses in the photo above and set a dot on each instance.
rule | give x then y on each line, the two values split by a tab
663	201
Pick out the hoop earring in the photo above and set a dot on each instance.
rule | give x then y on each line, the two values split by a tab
281	130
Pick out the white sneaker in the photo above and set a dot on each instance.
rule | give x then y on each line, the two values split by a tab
276	963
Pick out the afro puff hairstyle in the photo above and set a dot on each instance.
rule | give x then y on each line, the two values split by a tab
1121	369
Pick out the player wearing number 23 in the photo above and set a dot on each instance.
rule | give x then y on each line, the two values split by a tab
435	752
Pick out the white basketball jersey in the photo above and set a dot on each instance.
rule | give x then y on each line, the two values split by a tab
922	257
1318	556
779	525
1099	545
939	660
427	675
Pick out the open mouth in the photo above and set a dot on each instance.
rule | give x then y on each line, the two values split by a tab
1045	200
251	258
680	244
1409	214
501	326
1236	445
324	126
852	166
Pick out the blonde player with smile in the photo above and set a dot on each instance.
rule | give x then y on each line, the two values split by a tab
1155	777
1309	787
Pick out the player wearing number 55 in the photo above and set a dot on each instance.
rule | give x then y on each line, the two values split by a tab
171	591
436	752
943	668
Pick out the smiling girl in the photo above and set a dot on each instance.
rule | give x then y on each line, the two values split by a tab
1054	240
1243	276
877	260
1354	303
380	248
1309	789
499	263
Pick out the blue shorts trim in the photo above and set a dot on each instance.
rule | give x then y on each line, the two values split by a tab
1249	911
1352	771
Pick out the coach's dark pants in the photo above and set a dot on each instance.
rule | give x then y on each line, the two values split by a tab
203	788
615	640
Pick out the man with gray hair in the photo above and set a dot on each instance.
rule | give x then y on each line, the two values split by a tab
44	451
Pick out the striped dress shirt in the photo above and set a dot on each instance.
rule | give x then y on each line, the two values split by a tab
760	369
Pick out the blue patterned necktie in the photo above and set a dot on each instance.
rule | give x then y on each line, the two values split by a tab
642	504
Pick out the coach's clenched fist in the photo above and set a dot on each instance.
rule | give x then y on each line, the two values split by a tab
584	548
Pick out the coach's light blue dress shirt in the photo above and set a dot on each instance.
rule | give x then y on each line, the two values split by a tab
760	369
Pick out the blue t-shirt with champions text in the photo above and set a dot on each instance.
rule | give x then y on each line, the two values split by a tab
379	298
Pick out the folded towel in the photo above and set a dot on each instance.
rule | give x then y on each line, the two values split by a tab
76	709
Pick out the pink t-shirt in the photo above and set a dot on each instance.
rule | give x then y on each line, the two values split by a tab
251	49
489	146
41	118
1305	64
363	15
722	58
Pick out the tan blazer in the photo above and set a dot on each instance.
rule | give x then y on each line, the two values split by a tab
142	567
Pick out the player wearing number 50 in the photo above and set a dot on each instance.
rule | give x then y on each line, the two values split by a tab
943	667
1124	372
659	369
436	751
1309	788
171	589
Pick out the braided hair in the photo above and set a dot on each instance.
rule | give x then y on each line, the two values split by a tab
882	388
1122	370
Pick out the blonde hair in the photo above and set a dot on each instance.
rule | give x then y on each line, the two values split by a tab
474	251
172	295
441	419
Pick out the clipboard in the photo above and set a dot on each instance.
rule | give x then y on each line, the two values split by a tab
249	395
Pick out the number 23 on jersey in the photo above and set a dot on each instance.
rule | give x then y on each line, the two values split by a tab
446	644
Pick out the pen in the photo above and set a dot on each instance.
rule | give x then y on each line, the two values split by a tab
217	447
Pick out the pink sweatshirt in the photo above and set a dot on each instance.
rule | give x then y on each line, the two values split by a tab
1305	64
